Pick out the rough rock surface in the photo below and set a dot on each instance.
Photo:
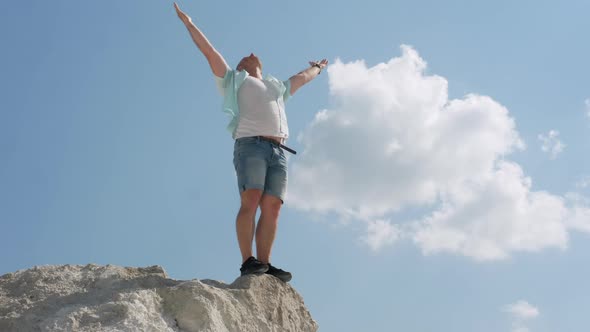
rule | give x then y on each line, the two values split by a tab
114	298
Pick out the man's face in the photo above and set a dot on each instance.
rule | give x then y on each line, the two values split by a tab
249	64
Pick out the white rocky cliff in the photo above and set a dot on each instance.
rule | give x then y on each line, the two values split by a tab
113	298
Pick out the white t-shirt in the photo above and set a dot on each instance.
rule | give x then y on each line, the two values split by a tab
262	110
260	102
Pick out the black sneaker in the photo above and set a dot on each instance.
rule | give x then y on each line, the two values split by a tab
283	275
253	266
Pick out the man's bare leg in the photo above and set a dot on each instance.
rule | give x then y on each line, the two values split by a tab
266	230
245	223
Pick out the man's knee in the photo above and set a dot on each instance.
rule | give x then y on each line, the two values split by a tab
270	205
250	198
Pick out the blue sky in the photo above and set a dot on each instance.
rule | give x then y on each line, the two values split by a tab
443	180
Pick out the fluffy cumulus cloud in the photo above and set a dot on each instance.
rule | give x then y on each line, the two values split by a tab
520	312
395	153
551	143
493	215
381	233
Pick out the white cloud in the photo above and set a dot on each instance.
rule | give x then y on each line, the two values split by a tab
493	216
551	143
392	141
381	233
520	312
587	103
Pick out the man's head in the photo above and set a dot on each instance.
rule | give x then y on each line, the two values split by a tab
251	64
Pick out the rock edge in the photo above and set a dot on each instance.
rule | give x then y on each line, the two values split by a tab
114	298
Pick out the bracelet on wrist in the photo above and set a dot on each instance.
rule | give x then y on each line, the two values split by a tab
319	67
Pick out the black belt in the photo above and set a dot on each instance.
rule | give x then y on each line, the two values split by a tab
277	144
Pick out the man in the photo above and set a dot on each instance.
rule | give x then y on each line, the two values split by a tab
259	127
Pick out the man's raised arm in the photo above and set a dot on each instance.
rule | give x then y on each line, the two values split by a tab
306	75
216	61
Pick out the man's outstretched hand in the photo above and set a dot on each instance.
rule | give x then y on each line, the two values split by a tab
181	15
322	63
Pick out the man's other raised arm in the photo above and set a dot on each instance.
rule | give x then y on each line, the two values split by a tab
305	76
216	61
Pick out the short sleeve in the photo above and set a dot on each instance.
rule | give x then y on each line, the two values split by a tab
222	83
287	93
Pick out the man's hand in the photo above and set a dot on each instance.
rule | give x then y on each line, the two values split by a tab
183	17
322	63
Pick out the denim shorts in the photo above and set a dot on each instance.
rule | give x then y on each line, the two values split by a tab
260	165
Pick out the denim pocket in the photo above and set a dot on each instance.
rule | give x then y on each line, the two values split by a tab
249	146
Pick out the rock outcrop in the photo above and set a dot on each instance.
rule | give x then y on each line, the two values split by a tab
114	298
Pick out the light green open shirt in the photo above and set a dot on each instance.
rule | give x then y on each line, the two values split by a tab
229	85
